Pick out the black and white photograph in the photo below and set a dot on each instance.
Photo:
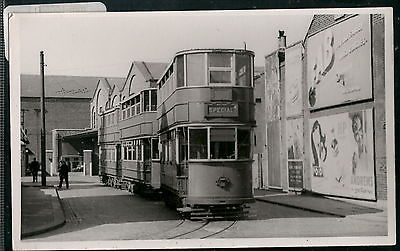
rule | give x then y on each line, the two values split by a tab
201	129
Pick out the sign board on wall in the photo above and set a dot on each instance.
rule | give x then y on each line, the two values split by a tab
342	155
339	63
294	137
272	91
295	170
293	75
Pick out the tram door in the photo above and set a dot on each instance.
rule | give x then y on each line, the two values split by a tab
118	160
273	142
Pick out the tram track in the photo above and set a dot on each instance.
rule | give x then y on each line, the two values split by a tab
205	230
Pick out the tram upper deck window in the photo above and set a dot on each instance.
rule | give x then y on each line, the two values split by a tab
153	100
243	138
198	143
195	70
222	143
243	70
220	68
146	101
180	81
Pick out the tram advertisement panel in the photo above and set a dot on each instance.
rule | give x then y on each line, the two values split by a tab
342	155
293	73
339	63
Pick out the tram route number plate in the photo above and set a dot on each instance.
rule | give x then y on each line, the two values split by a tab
222	110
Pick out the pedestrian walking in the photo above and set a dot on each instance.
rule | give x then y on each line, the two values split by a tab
63	170
34	167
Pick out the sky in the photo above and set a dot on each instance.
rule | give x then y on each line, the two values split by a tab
104	44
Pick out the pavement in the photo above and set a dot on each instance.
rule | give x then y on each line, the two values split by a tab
41	207
42	210
319	203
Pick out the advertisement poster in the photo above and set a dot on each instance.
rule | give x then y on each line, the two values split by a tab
293	75
294	137
339	63
342	155
272	92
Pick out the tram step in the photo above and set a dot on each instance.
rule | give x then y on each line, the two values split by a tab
189	210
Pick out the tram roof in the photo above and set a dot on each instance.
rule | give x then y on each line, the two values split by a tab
189	51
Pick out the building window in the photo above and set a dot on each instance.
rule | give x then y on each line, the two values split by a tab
222	143
198	143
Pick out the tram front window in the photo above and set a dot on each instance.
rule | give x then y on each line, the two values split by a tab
243	70
222	143
198	143
243	138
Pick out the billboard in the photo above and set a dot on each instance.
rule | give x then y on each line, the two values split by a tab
272	91
293	75
342	155
339	63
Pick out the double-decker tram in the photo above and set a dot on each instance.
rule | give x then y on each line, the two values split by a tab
206	117
128	143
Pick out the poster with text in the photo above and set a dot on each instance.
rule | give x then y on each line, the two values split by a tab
339	63
294	137
342	155
293	75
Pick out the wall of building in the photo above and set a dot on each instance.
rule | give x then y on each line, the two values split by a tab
61	113
353	32
376	145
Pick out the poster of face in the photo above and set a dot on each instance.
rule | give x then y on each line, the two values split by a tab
339	63
342	155
294	137
272	92
293	75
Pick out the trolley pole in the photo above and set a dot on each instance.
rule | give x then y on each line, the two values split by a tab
43	126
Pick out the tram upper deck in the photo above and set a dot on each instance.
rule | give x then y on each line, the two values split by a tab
207	86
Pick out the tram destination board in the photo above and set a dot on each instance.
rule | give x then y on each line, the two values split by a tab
222	110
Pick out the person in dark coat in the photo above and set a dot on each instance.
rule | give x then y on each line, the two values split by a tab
63	173
34	167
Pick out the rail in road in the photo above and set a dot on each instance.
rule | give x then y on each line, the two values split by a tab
187	229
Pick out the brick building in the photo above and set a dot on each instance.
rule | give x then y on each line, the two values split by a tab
67	107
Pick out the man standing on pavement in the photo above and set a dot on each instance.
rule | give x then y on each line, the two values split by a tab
34	167
63	173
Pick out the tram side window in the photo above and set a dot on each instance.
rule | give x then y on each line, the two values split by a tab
180	71
125	153
155	151
146	101
147	149
153	100
195	70
222	143
198	143
243	70
243	138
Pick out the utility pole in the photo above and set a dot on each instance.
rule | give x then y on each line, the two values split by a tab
43	117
